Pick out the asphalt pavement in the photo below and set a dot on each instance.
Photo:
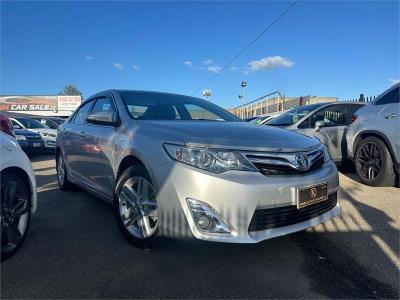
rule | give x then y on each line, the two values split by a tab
74	250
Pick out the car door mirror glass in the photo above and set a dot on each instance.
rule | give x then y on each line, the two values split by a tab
17	126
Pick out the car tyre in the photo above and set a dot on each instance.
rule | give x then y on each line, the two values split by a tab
15	213
374	164
135	207
62	176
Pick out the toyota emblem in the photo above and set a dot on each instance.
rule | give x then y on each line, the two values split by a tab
302	161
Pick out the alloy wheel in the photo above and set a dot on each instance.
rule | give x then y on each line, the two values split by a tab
369	161
138	207
14	215
60	170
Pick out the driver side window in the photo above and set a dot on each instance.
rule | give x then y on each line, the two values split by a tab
334	115
81	115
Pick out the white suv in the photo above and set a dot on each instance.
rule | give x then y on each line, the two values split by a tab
373	140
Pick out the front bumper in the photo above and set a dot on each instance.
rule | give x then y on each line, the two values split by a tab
235	196
31	146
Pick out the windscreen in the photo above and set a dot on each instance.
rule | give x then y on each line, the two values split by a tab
173	107
31	123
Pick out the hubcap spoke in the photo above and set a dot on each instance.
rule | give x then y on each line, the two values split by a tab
12	233
138	207
19	209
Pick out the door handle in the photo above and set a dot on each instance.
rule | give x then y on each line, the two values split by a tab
390	116
82	134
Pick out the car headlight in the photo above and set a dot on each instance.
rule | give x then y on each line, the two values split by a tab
209	159
44	134
327	156
20	138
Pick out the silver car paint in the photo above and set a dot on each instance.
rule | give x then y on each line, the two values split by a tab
333	137
93	155
384	120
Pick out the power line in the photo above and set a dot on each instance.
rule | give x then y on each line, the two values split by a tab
245	48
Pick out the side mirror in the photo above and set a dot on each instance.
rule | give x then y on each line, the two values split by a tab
17	126
318	125
103	118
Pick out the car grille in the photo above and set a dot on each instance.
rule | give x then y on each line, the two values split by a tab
34	138
264	219
283	164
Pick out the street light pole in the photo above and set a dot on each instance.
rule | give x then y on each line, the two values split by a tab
243	84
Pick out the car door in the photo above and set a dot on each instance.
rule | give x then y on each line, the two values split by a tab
388	118
100	150
332	135
75	152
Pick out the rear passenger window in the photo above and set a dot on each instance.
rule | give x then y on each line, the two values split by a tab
103	104
333	115
390	97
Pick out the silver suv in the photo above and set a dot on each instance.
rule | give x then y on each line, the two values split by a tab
184	167
373	140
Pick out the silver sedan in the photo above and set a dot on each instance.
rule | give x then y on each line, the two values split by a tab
183	167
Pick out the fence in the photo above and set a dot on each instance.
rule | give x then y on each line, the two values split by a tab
271	106
362	98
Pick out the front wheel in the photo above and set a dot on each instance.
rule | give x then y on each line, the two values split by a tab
373	163
135	206
15	213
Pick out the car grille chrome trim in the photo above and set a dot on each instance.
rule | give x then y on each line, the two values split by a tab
285	163
264	219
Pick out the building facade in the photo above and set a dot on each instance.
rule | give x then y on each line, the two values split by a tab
275	105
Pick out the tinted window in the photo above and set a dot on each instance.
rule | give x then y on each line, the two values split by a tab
172	107
103	104
351	111
81	115
292	116
391	97
333	115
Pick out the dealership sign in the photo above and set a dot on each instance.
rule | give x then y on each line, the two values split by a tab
39	103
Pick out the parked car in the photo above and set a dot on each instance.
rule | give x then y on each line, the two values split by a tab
250	119
6	125
327	122
185	167
373	140
18	195
261	120
51	122
48	135
30	142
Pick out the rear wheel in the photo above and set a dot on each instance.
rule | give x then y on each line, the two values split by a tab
61	169
15	213
135	206
373	163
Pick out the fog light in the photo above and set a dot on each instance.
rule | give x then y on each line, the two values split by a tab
204	222
206	218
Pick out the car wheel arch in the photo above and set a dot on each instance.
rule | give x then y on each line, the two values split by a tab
20	173
128	161
365	134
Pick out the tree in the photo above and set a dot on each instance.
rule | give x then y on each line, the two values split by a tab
70	90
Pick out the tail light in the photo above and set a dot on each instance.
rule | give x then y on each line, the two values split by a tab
6	125
353	118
